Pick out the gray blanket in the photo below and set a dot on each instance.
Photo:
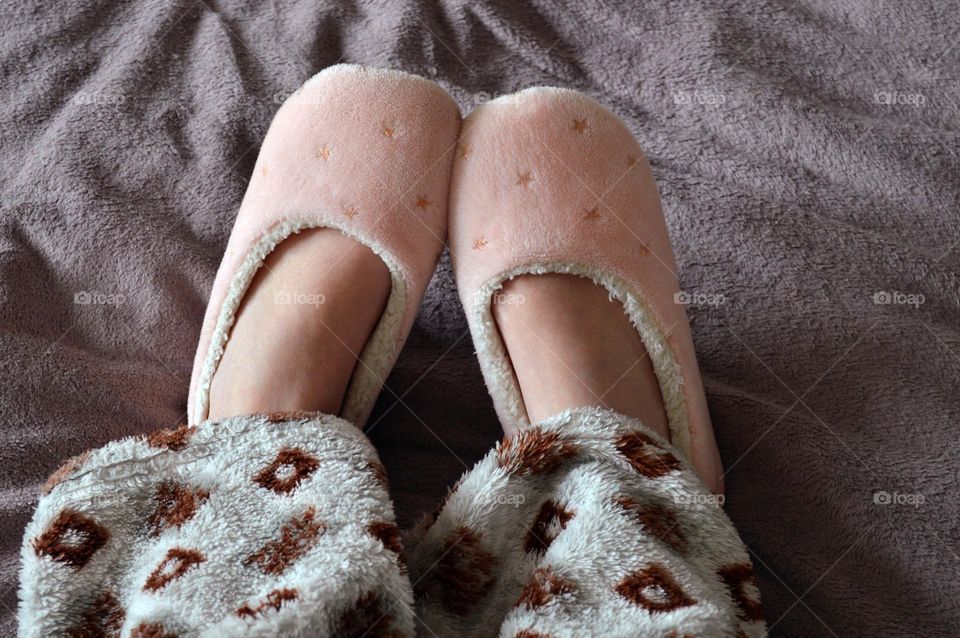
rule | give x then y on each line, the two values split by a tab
807	154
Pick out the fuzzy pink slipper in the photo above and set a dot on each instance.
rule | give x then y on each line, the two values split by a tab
548	181
367	152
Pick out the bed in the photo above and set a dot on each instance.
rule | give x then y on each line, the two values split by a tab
807	156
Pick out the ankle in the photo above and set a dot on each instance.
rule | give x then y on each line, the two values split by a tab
572	346
301	327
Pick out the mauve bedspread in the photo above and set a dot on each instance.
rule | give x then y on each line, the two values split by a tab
807	154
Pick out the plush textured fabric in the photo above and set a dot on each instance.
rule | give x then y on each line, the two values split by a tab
547	180
584	525
129	131
365	151
267	525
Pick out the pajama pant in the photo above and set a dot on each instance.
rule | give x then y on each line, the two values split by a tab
587	524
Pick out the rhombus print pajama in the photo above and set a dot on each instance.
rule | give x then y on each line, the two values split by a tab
587	524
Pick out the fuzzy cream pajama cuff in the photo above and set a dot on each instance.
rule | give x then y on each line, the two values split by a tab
585	525
252	526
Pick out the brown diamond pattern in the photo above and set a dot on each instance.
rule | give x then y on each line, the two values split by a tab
72	538
655	589
287	470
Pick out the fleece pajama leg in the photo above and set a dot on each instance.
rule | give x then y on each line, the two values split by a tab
587	524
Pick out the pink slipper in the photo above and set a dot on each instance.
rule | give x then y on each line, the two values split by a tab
547	180
367	152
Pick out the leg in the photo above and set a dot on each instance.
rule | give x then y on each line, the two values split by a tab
275	524
586	524
253	525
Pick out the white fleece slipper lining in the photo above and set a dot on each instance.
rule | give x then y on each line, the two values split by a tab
498	371
377	355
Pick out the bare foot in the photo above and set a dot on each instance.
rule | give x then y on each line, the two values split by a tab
301	326
572	346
